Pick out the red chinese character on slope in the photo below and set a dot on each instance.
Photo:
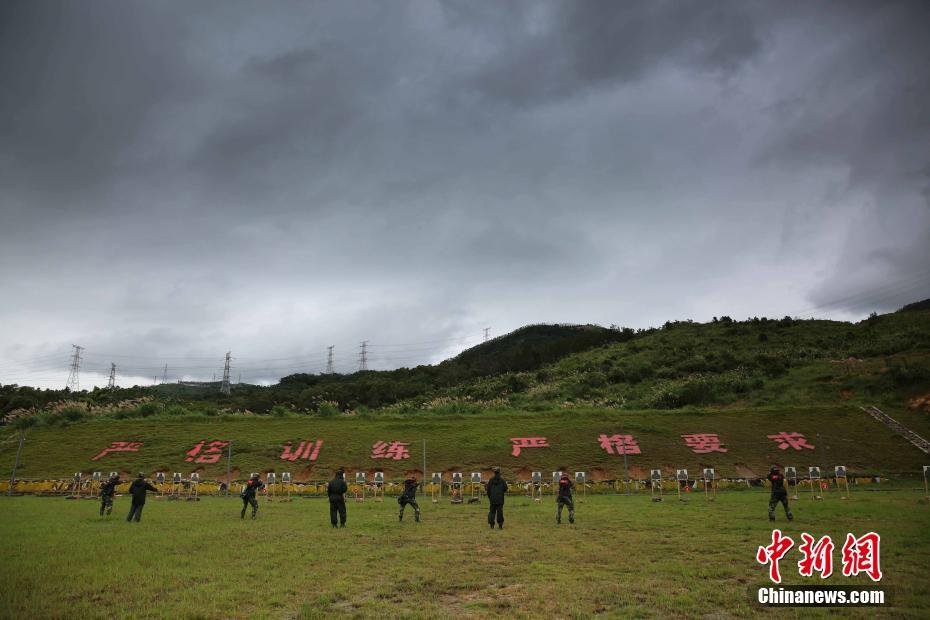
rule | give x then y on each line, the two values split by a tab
791	440
703	443
527	442
307	450
119	446
860	555
773	553
619	444
395	450
817	556
205	452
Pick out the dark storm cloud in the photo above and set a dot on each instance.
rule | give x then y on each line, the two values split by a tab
178	180
589	44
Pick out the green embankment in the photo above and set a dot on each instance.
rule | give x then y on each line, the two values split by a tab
840	436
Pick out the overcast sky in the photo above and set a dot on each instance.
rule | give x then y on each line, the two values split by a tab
179	179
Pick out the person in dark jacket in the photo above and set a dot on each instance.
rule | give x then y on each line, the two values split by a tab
779	493
107	490
496	489
253	486
336	490
409	496
564	498
138	489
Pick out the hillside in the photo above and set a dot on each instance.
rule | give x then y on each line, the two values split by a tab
760	362
882	361
837	436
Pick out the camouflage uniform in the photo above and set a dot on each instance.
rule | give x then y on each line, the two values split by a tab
565	499
253	486
107	490
409	496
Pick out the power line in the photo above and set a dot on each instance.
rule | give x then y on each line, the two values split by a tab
886	291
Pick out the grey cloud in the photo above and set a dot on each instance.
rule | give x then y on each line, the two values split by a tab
589	44
178	180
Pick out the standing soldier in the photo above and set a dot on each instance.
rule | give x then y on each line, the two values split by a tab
336	490
496	490
138	489
253	486
409	496
107	489
779	493
564	498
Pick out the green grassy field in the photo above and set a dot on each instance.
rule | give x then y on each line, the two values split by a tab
842	435
625	556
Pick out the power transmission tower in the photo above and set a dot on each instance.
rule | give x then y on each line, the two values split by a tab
74	383
363	357
329	360
224	386
111	384
487	330
164	377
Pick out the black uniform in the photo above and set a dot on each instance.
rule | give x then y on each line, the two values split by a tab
779	494
409	496
564	498
253	486
107	490
497	488
336	490
138	489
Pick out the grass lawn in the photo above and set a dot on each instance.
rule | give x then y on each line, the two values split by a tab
625	556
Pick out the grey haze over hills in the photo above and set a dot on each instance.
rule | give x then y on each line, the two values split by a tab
182	179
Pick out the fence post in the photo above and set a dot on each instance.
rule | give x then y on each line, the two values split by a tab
22	437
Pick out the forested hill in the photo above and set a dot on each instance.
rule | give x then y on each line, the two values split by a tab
884	360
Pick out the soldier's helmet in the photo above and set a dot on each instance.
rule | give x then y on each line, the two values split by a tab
496	469
255	476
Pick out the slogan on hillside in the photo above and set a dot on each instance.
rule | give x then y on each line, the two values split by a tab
211	451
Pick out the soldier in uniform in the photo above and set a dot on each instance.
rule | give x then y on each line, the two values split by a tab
253	486
107	489
138	490
336	490
496	490
779	493
409	496
564	498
